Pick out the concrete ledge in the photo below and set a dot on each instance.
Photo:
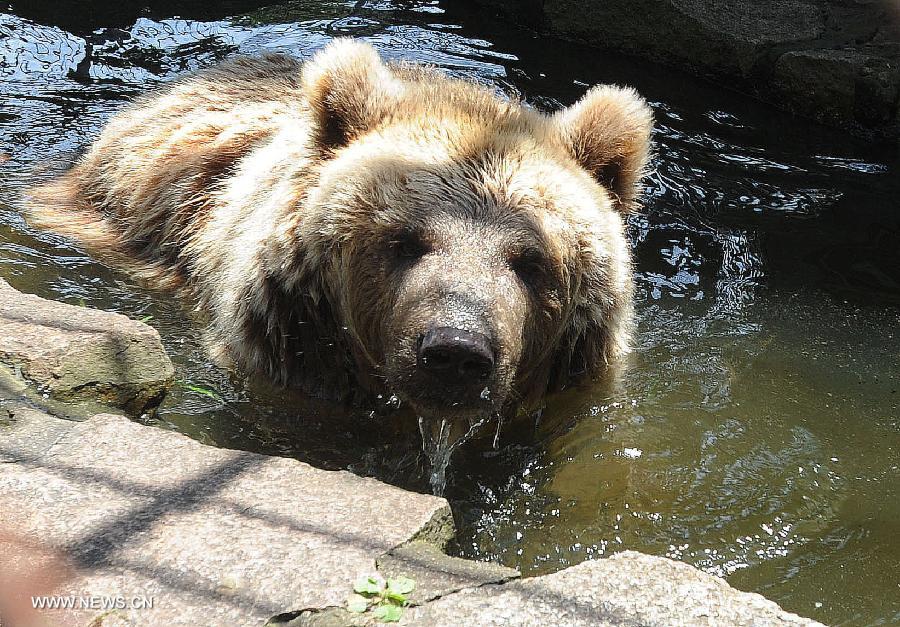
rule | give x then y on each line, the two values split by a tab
627	588
80	355
110	508
215	537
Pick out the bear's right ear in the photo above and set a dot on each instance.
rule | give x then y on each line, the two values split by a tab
349	90
608	134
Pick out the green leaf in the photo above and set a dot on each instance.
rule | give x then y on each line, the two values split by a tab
387	613
205	392
401	585
368	585
357	604
394	597
146	319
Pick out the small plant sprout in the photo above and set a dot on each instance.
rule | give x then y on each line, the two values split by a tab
386	599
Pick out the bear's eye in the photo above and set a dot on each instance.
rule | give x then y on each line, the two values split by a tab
530	266
408	246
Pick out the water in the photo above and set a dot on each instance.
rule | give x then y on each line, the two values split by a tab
756	433
439	442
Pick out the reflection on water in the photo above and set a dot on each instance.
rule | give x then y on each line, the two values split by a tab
756	433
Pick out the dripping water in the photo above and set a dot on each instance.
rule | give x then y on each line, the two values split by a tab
438	446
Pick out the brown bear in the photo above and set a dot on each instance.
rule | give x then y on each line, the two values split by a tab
347	224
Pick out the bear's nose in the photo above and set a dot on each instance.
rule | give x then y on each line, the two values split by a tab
459	355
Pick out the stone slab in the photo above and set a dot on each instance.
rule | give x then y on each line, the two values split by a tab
27	434
212	536
628	588
75	354
437	574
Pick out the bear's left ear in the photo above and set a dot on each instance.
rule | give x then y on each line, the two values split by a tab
349	90
608	133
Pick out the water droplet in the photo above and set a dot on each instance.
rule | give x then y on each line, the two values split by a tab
497	433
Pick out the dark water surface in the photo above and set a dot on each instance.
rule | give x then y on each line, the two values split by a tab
758	431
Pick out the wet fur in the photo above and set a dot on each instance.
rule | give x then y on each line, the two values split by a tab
262	191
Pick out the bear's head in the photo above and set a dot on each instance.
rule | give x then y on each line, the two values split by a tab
471	248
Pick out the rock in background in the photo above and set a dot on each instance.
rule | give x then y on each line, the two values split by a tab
835	61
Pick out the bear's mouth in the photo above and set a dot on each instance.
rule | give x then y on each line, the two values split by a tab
436	400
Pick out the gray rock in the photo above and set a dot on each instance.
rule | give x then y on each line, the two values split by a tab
437	574
214	537
27	434
795	54
329	617
76	354
626	589
720	35
838	85
760	23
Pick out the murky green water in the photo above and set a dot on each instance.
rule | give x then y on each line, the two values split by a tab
758	430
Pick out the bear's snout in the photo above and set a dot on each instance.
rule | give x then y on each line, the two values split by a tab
446	354
456	355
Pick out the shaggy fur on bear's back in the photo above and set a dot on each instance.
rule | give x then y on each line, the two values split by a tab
326	216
